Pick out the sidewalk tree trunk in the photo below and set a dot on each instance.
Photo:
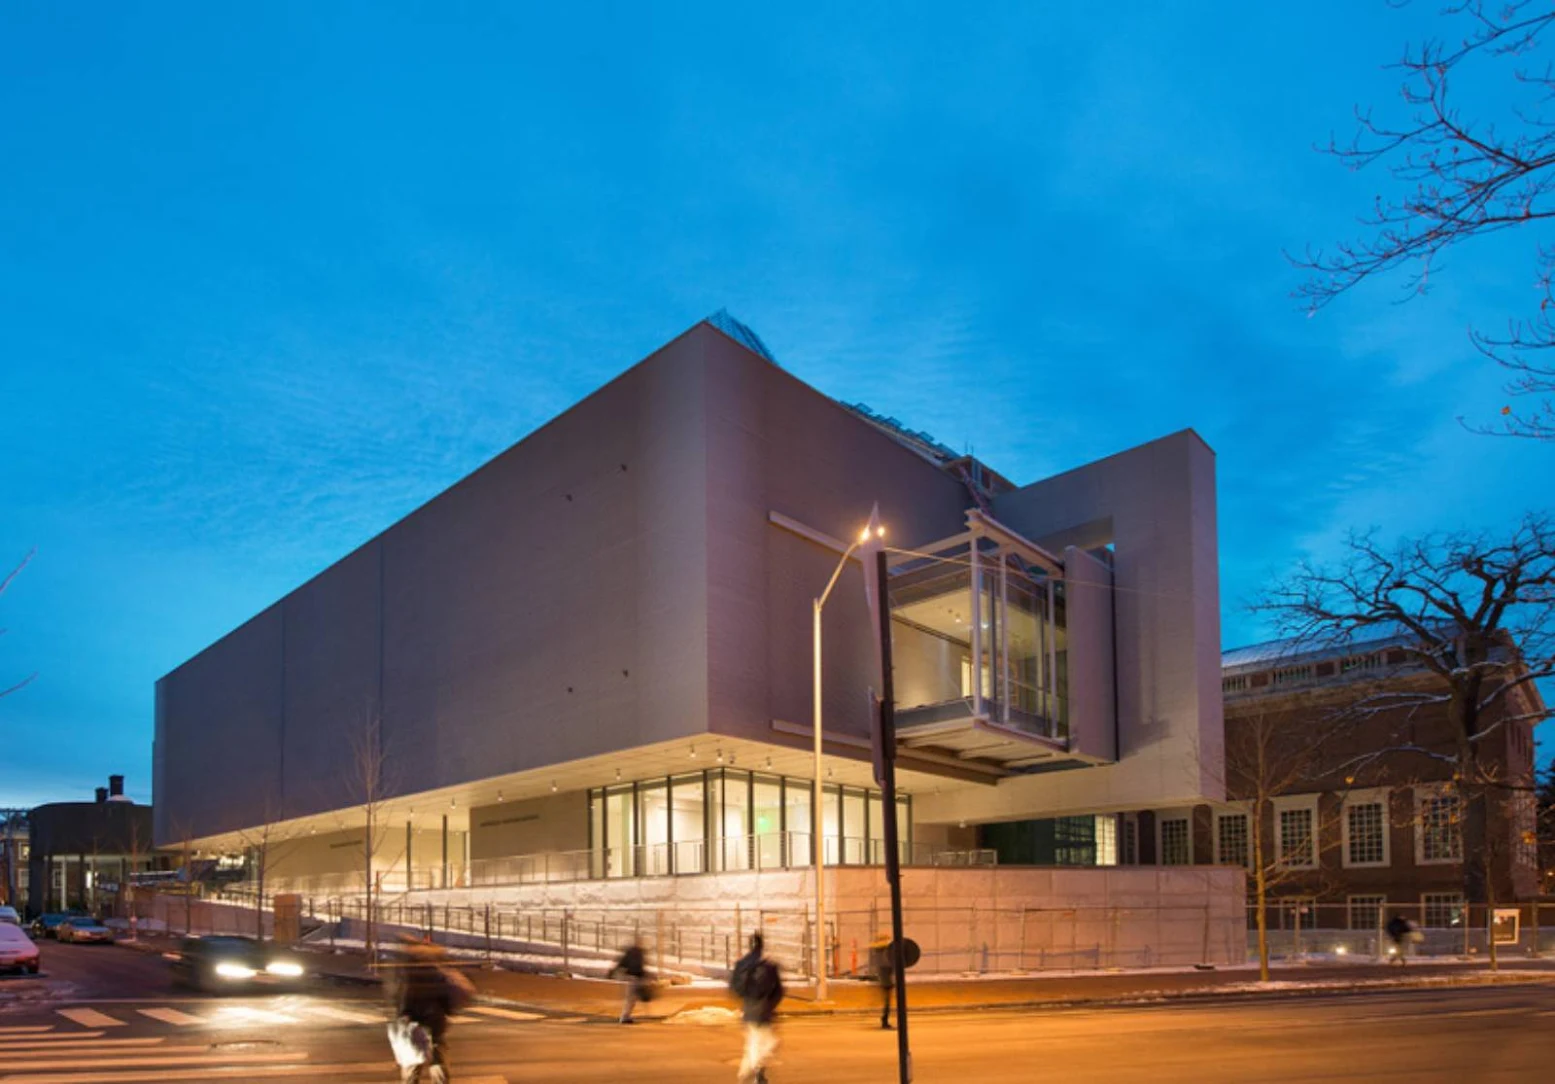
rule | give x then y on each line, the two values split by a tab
369	776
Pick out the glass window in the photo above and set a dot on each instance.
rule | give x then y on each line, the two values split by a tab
653	829
688	823
619	836
831	823
1176	845
1366	912
1130	840
733	789
767	822
1439	838
1231	839
1296	837
875	852
1443	909
1365	825
852	827
796	798
597	833
1297	911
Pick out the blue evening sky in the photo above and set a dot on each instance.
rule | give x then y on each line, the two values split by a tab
272	275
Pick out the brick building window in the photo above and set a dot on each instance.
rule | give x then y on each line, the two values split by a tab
1130	856
1297	911
1365	833
1231	840
1443	910
1436	828
1176	844
1366	912
1295	831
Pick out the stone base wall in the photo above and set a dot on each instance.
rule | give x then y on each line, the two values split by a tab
989	920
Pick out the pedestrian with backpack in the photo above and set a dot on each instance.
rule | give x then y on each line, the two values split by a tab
757	982
632	970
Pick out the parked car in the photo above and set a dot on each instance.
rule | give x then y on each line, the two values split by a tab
233	963
17	952
77	929
8	914
47	925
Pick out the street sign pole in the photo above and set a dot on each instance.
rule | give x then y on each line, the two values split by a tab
885	760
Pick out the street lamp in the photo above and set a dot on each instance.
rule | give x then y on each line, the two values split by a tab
817	822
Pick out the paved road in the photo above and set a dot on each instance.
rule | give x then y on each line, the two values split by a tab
1470	1035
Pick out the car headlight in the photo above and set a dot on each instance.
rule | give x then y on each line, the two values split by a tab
234	971
284	968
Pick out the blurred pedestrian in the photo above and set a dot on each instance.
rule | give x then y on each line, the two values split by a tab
758	983
882	962
632	970
1404	934
425	994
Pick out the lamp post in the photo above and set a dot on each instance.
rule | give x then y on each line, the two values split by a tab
817	823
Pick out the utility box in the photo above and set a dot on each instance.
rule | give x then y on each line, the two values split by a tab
288	918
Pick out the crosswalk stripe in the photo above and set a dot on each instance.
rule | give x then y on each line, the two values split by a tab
245	1014
28	1029
505	1014
137	1060
76	1042
256	1072
90	1018
345	1014
51	1037
171	1016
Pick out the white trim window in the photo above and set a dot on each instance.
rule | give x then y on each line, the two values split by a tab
1442	910
1366	911
1175	835
1438	834
1233	847
1364	826
1295	831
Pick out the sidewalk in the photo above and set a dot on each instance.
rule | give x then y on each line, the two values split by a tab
596	997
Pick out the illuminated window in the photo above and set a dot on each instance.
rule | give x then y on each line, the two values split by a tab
1436	828
1231	840
1176	844
1366	834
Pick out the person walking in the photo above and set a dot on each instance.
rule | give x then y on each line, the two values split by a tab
1404	934
758	983
632	970
882	962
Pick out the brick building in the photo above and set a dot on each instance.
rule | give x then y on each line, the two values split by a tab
1373	821
1365	822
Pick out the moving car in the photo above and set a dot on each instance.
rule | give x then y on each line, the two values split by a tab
232	963
77	929
17	952
48	925
8	914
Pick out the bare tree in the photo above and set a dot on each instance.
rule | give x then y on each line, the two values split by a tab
1476	614
4	584
266	843
1460	177
369	777
1266	758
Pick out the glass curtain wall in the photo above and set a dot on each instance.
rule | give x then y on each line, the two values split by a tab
978	629
725	819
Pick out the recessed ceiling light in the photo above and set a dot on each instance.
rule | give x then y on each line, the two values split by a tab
499	796
553	786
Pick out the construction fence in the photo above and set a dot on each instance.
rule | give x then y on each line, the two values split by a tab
1302	928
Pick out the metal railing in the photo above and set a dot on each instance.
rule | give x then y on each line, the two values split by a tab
755	852
1301	928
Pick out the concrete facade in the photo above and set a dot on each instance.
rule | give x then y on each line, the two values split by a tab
626	594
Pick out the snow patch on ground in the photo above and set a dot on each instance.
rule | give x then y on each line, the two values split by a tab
707	1014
